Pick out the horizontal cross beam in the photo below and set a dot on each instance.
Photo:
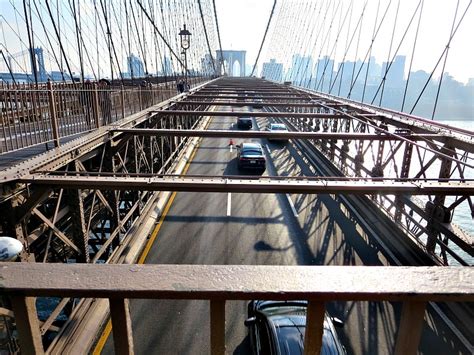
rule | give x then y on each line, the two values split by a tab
270	97
239	282
267	134
246	185
264	103
249	114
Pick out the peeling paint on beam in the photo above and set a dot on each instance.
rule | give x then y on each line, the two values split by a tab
240	282
251	185
266	134
249	114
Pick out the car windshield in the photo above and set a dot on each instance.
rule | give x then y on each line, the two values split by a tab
291	340
244	118
252	151
278	128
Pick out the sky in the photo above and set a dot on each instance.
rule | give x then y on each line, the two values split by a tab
242	24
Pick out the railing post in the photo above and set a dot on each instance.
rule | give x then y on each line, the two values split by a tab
121	326
95	105
27	325
217	327
409	330
53	114
122	100
313	339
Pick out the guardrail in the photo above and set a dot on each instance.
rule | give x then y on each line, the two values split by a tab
414	286
31	115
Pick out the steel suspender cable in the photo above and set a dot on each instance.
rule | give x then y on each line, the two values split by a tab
389	63
159	33
264	36
444	64
30	41
205	33
221	61
412	57
441	56
59	40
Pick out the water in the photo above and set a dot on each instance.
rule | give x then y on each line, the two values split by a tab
462	215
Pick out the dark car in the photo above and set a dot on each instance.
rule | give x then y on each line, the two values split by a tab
257	103
278	328
244	122
251	156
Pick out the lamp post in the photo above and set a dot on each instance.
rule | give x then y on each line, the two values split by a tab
185	37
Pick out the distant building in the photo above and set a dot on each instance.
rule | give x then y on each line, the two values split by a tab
323	73
208	65
396	71
301	69
248	69
167	67
273	70
135	67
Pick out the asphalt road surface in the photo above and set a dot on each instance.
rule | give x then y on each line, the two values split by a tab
263	229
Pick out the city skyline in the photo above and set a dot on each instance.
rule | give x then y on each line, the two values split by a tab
370	82
434	33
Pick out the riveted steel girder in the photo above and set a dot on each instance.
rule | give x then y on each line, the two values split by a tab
245	185
266	134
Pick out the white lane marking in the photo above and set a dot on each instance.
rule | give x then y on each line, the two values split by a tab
230	147
229	203
292	206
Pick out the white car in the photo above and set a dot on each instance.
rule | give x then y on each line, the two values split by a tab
277	127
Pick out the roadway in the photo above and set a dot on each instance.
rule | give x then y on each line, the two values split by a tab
262	229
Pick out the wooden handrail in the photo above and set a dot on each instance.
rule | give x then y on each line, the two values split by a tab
414	286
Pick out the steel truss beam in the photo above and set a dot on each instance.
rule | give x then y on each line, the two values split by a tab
240	104
266	134
246	185
245	114
284	98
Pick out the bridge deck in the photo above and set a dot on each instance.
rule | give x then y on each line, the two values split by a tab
222	218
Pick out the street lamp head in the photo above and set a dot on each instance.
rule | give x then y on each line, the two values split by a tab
185	37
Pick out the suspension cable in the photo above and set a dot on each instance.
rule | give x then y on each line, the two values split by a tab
264	36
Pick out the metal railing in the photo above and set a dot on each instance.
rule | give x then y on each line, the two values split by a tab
31	115
413	286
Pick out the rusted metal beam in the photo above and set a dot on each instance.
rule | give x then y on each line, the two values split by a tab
247	114
266	134
240	282
313	339
245	185
411	326
264	103
121	326
56	231
217	327
27	324
284	98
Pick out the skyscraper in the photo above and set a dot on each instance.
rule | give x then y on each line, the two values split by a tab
135	67
273	70
395	76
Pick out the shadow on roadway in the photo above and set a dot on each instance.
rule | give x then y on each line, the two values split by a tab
244	347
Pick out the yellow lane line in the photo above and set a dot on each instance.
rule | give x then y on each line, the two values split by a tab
108	328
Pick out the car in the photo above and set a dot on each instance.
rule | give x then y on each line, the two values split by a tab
277	127
257	103
278	327
244	122
251	156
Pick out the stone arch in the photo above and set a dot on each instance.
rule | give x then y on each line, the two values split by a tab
229	57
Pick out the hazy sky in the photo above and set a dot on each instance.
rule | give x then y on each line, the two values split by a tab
242	24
